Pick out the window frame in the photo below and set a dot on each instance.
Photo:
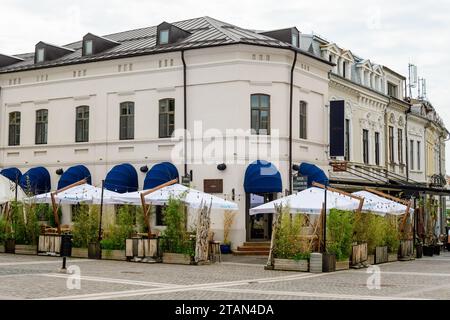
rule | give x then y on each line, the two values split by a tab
418	156
365	137
392	89
391	144
165	31
256	127
86	52
14	137
169	116
126	121
303	116
82	124
400	145
377	148
347	140
411	155
40	55
41	127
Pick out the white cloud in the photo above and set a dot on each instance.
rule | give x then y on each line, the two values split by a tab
387	32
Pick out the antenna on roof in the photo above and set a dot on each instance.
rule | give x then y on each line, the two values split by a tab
412	77
422	88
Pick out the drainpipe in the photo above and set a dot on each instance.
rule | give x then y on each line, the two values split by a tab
185	113
290	119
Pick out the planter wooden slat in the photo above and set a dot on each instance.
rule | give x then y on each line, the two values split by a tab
342	265
26	249
406	250
142	248
2	248
49	244
291	265
114	255
359	254
176	258
392	257
79	252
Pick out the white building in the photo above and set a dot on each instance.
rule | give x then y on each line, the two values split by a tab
117	99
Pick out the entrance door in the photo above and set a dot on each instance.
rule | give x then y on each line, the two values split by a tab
259	227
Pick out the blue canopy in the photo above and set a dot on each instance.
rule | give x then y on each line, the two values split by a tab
12	174
122	178
36	181
159	174
262	177
74	174
314	174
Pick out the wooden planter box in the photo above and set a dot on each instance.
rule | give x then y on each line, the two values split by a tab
342	265
428	251
177	258
381	255
79	252
291	265
141	248
359	255
371	259
26	249
10	246
419	251
392	257
113	255
406	250
2	248
49	245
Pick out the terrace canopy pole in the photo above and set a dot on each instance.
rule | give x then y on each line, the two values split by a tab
55	206
146	208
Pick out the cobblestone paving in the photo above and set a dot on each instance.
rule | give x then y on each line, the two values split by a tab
37	277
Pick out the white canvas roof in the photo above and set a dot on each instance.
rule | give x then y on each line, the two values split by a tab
379	205
8	190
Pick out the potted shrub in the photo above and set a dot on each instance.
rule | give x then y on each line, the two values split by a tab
85	233
340	226
177	245
290	252
391	237
419	249
228	219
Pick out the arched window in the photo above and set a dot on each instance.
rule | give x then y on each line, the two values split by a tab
14	129
41	126
127	120
82	124
166	117
260	114
303	120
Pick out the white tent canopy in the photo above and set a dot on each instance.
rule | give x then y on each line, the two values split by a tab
84	193
309	201
8	191
379	205
191	197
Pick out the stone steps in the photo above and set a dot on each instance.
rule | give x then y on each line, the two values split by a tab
253	249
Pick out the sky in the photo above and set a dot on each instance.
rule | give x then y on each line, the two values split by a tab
392	33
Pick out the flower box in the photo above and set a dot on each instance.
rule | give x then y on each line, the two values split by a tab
371	259
79	253
328	262
359	255
291	265
342	265
141	248
177	258
392	257
381	255
113	255
428	251
49	245
10	246
26	249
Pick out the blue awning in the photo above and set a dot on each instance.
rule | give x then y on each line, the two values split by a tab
74	174
314	174
36	181
160	173
12	174
262	177
122	178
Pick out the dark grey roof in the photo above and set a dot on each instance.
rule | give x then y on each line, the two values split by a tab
205	32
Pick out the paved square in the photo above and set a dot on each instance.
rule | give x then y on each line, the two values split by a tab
38	277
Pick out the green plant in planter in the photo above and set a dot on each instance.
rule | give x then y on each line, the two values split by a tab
228	219
391	234
24	224
340	226
288	244
175	238
116	234
369	228
85	227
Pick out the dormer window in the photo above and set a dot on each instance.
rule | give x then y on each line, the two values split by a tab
88	47
164	37
40	55
294	40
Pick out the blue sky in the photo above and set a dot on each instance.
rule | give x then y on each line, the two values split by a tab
386	32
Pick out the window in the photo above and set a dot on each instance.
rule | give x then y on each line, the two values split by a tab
366	146
344	69
88	47
40	55
330	58
82	124
164	37
377	148
14	129
260	114
347	140
400	146
391	144
127	120
418	155
392	90
41	126
303	118
166	117
411	155
295	40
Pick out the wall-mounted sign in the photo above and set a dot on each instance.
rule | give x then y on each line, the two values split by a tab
213	185
300	183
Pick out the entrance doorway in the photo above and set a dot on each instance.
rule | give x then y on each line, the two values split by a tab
259	227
